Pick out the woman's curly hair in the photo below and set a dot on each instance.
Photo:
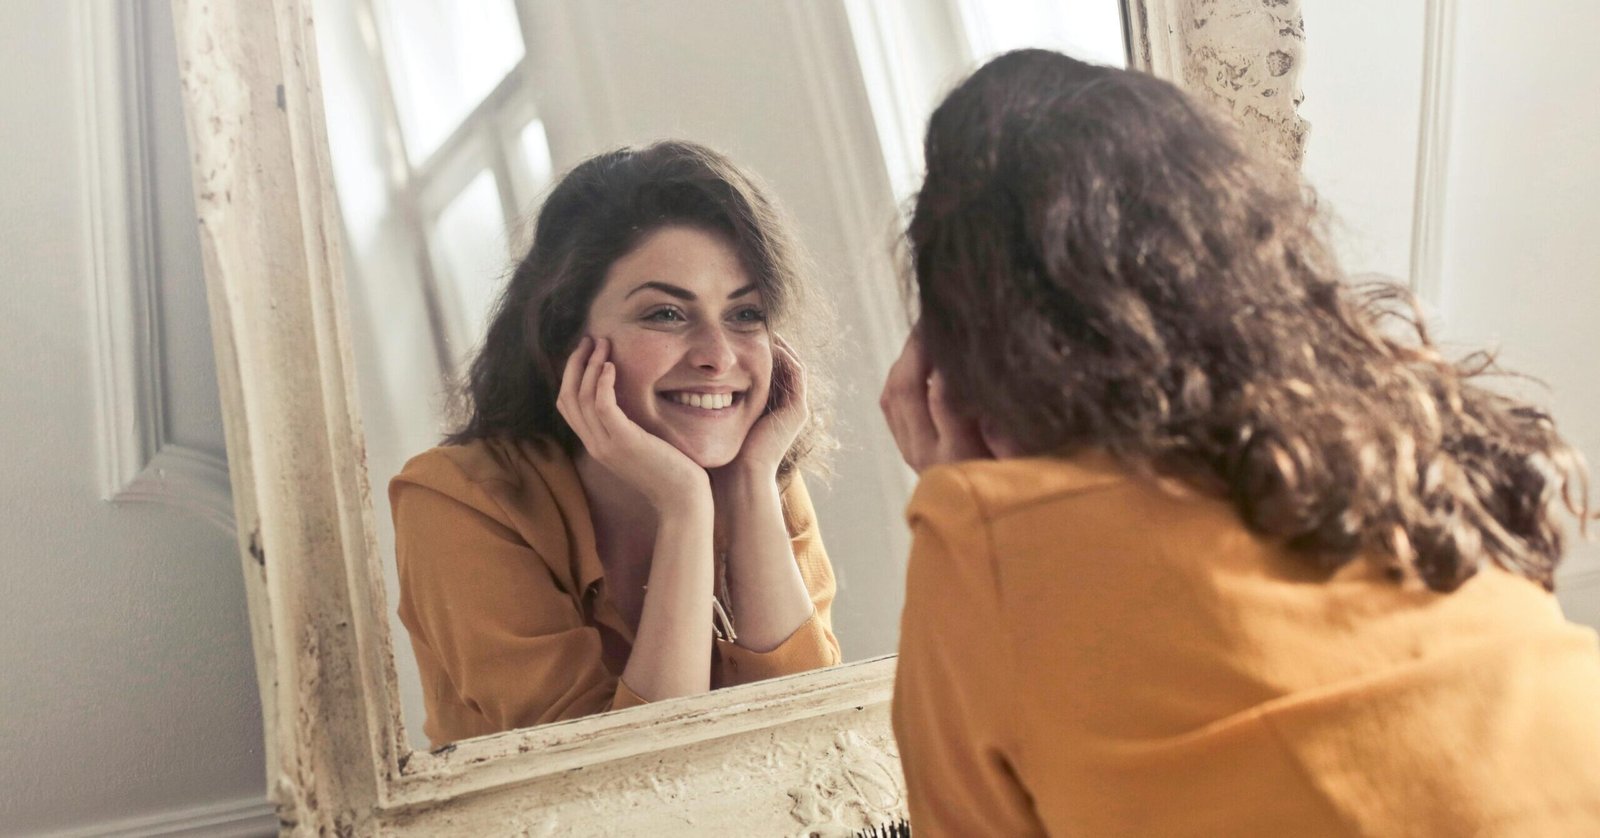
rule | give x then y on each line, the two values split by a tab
1100	263
598	213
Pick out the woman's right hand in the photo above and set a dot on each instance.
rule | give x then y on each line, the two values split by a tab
926	426
651	465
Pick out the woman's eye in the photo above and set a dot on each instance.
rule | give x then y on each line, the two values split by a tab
750	315
665	315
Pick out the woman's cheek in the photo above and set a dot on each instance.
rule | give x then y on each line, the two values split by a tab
763	365
634	357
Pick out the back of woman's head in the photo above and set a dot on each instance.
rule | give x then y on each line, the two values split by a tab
599	212
1101	263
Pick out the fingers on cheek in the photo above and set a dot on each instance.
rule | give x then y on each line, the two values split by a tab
939	400
608	385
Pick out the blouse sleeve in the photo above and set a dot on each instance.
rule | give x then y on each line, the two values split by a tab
812	645
503	637
950	709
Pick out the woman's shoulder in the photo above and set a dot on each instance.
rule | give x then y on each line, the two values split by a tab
480	464
989	489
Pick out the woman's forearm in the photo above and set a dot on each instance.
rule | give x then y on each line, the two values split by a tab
770	599
671	650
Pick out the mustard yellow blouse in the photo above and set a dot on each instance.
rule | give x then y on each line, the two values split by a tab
506	601
1084	654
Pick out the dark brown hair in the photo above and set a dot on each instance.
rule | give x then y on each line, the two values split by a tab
598	213
1147	287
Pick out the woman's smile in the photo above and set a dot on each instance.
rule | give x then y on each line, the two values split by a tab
710	403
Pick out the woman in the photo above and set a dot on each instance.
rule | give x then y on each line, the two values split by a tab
1220	555
625	484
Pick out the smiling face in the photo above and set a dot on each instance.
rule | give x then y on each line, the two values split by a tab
689	339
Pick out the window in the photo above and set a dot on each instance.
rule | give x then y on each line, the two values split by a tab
437	141
912	51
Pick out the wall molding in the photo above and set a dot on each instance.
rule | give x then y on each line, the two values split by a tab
187	478
1433	155
140	463
246	817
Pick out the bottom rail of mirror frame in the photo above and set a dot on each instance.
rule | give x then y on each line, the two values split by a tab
807	754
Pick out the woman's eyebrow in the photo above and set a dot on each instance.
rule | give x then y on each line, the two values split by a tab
665	288
683	293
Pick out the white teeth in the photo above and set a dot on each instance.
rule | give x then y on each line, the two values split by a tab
705	401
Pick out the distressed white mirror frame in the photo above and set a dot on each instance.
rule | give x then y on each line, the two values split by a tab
809	754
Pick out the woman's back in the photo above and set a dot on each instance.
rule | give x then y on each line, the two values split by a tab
1087	653
1353	635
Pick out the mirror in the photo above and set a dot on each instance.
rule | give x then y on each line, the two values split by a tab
811	753
449	123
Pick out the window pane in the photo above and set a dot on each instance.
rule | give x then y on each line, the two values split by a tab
536	154
443	58
1089	30
470	256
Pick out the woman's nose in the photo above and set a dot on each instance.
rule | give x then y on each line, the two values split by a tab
711	351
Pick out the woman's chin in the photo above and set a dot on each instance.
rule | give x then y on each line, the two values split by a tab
709	448
709	460
708	454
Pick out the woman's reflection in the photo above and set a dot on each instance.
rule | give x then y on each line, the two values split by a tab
619	518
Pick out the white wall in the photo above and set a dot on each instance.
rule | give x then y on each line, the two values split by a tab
128	694
1521	265
1517	258
1363	94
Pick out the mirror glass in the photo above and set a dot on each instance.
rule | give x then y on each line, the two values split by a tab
449	122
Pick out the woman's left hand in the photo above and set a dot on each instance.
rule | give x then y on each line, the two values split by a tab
926	427
775	431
